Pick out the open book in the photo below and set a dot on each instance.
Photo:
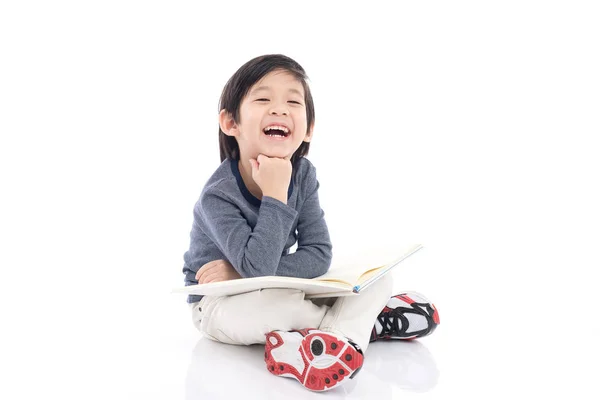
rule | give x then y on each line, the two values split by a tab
335	283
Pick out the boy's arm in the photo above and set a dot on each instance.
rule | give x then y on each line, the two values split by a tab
198	255
314	253
252	252
258	252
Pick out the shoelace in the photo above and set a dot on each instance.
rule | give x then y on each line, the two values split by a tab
390	325
389	321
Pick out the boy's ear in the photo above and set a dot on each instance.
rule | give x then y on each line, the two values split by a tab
227	123
309	134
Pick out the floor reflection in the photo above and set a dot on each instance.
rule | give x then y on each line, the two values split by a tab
407	365
221	371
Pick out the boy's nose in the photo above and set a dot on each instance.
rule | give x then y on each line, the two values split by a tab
279	110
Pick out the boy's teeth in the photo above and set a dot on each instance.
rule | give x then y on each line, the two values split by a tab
276	130
280	128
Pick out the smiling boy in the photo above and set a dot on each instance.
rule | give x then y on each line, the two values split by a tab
262	200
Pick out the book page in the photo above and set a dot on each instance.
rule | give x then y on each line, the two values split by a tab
373	275
356	275
367	275
347	275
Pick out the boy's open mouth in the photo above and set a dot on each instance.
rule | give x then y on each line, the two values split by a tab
277	131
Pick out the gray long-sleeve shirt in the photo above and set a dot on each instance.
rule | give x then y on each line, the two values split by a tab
255	236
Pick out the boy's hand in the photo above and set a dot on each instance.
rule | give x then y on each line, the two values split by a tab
272	175
216	271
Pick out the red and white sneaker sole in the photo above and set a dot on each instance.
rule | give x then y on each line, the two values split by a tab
318	360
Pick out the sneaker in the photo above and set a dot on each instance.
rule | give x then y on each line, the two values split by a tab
318	360
406	316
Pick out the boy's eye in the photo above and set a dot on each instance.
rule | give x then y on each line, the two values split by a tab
291	101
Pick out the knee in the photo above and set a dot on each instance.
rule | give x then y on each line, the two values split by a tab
384	287
386	283
388	278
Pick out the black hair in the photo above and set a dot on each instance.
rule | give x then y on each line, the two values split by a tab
240	83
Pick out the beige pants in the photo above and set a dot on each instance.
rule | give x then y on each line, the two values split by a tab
245	319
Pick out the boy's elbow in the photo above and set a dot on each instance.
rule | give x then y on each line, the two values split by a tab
326	257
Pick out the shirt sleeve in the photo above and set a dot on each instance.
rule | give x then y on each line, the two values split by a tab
252	252
314	253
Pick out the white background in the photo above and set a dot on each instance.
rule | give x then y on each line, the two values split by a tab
471	127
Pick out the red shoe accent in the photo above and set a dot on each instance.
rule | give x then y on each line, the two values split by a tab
405	298
326	364
436	316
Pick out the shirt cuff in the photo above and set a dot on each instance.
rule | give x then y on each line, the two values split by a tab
279	205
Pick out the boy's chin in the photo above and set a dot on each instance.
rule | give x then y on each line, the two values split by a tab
276	154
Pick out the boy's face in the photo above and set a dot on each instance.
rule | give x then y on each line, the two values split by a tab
276	100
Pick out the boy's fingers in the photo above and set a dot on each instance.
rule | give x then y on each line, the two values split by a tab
212	277
199	274
216	268
204	269
209	267
202	277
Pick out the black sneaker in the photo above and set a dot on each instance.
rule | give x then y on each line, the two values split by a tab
406	316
